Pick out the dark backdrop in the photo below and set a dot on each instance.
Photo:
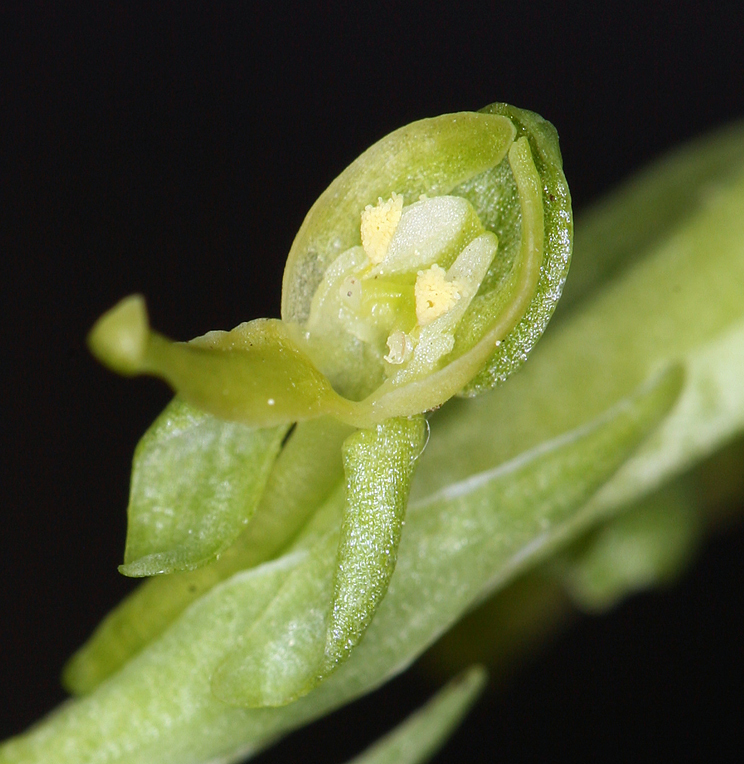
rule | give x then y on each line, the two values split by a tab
172	151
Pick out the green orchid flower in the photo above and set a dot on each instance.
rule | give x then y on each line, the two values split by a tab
304	539
428	269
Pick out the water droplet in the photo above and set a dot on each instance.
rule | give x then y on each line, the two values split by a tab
416	456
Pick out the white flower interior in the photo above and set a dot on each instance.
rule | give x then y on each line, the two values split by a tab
400	295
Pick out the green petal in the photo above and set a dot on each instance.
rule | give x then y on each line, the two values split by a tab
379	465
430	156
196	482
425	731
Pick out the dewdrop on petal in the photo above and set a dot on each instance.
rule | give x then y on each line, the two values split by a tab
434	294
378	226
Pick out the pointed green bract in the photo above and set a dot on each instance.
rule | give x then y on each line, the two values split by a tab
196	482
422	734
277	660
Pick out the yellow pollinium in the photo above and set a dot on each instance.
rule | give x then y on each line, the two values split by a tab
434	294
378	226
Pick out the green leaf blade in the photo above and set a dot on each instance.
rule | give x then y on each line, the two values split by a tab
459	545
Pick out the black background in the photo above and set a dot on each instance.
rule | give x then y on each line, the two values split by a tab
174	151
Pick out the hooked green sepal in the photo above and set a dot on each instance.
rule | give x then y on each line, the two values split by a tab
254	374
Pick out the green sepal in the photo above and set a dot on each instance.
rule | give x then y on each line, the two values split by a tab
379	464
425	731
196	482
